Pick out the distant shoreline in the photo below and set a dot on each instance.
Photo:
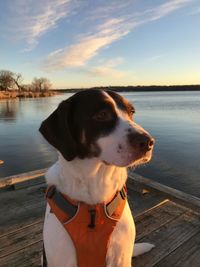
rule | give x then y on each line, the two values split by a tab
151	88
12	94
26	94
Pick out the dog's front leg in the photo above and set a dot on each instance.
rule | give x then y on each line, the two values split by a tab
59	248
121	243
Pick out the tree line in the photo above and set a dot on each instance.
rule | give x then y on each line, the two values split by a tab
14	81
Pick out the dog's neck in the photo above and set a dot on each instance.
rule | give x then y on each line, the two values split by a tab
88	180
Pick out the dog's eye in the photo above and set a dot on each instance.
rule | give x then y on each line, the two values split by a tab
102	116
131	112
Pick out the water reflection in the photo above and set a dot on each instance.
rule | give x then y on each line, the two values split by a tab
8	110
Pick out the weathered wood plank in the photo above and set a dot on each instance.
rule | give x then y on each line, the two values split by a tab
15	241
20	215
175	195
168	238
19	208
156	218
15	230
187	255
11	180
29	256
140	203
28	216
29	183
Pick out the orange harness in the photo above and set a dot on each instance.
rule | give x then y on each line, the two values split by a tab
89	226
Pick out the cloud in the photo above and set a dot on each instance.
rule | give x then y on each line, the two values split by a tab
78	54
107	68
103	11
104	34
28	20
166	8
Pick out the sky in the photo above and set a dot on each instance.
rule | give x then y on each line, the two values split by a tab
86	43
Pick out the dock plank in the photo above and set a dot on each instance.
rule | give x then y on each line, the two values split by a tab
155	218
19	239
14	179
21	207
168	238
187	255
140	203
29	256
175	195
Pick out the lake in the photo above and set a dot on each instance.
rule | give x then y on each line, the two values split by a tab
173	118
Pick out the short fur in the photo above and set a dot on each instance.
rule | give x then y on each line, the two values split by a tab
97	139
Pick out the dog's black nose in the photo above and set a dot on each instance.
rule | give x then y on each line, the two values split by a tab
142	142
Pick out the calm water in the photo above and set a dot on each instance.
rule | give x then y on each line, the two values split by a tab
173	118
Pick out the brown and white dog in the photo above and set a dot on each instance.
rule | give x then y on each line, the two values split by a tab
97	139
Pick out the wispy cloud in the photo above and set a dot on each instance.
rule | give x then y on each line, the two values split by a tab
107	31
166	8
117	7
79	53
28	20
107	69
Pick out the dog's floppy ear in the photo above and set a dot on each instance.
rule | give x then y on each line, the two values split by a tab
56	130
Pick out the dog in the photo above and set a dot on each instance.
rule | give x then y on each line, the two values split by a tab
97	139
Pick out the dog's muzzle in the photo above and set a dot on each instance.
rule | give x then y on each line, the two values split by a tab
141	141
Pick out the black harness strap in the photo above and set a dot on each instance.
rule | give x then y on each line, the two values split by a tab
61	202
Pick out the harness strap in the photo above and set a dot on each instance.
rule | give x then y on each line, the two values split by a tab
70	208
60	202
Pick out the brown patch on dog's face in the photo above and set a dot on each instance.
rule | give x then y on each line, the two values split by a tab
93	116
78	122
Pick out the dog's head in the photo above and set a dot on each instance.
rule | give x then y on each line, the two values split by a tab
96	123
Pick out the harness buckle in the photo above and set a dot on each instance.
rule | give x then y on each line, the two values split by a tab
92	218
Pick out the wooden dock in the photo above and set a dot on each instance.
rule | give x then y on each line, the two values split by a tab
165	217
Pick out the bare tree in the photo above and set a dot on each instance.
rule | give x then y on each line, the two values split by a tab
41	84
17	78
10	80
6	80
